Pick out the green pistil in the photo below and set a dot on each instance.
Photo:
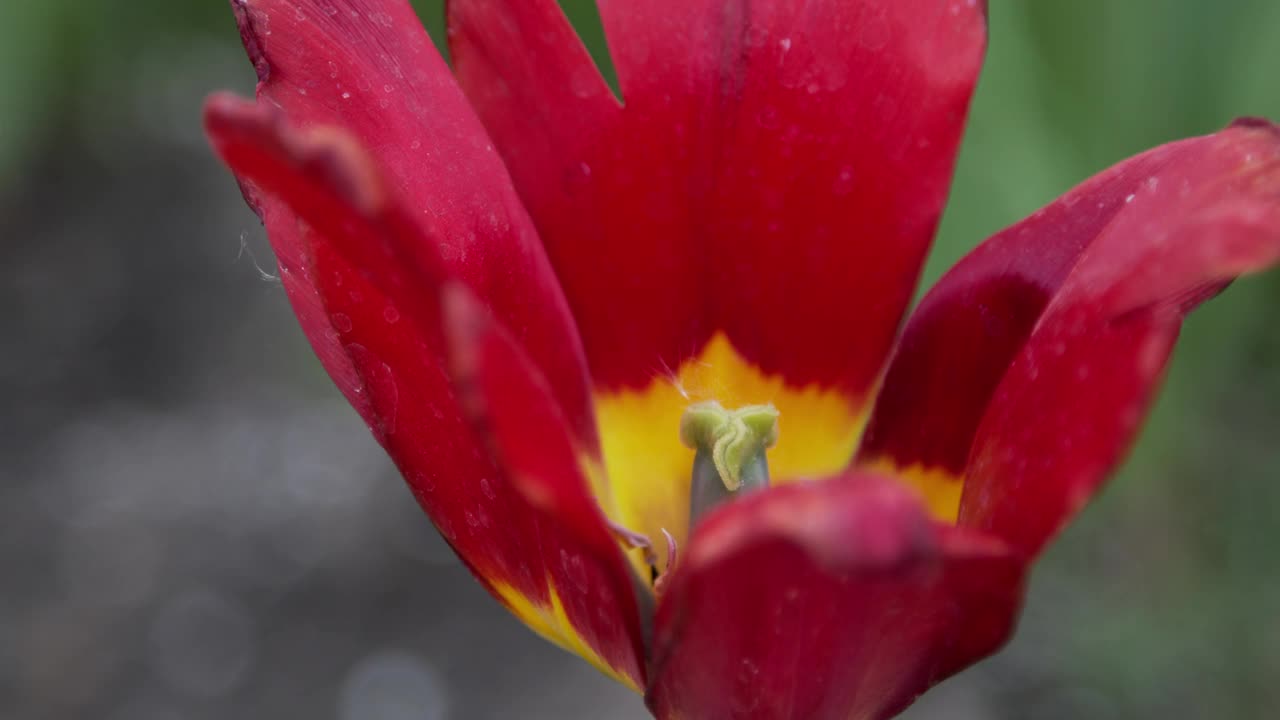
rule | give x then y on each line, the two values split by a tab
730	450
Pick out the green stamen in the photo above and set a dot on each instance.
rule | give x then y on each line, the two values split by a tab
730	450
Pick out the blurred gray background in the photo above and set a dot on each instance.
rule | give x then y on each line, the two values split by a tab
194	525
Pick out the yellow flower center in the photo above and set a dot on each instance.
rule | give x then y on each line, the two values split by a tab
648	468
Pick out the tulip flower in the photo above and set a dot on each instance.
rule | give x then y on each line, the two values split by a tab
639	357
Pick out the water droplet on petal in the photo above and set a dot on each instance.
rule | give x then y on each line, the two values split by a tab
844	181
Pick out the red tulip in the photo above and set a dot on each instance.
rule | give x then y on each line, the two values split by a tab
523	284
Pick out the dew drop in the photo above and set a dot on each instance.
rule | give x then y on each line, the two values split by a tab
583	82
341	322
446	528
844	181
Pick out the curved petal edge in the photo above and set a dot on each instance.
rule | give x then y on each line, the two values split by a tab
1165	229
376	322
834	599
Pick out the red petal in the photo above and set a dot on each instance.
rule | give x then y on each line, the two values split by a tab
377	325
512	405
1061	420
836	599
1074	396
324	176
773	161
959	343
368	67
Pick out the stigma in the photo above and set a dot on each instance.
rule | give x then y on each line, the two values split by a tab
729	451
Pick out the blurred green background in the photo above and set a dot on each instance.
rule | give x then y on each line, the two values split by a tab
194	526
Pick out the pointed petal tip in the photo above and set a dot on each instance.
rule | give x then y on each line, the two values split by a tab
466	323
226	116
258	143
1255	121
511	408
221	102
510	404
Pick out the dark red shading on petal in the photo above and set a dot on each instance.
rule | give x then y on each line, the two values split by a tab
368	67
777	170
254	140
377	234
1074	397
513	407
837	599
377	325
959	343
1061	420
